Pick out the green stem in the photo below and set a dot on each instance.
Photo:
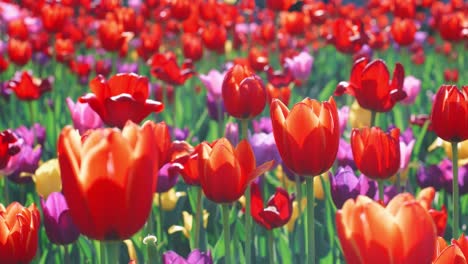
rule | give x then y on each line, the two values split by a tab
160	223
6	191
299	193
244	123
455	195
227	234
373	117
398	182
220	118
66	254
310	220
381	190
31	112
151	249
271	249
299	235
198	215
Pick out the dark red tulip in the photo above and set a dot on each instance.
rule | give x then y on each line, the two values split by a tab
244	94
370	84
29	88
278	5
405	8
19	51
307	136
451	75
403	31
258	59
279	78
277	211
3	64
7	147
164	67
180	9
121	98
449	115
376	153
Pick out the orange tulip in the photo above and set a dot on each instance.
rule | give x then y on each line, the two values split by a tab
19	231
109	178
225	171
307	137
403	232
456	253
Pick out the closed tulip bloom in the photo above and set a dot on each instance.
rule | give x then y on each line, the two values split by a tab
58	223
19	233
47	178
411	86
244	94
121	98
277	211
167	178
402	232
403	31
371	85
109	178
225	171
449	117
54	17
307	136
376	153
83	116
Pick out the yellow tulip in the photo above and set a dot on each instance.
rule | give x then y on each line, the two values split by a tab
47	178
168	199
188	220
447	146
295	214
287	183
358	116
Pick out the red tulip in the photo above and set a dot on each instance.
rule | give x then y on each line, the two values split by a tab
440	218
370	84
164	67
112	36
225	171
281	93
278	209
19	52
456	253
307	137
294	23
403	31
54	17
7	147
278	5
258	59
451	27
163	146
123	97
192	47
405	8
348	36
186	163
109	178
244	94
451	75
3	64
29	88
149	43
180	9
64	49
449	115
403	232
376	153
18	29
214	37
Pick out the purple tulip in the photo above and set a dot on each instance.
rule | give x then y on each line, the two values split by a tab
167	178
127	67
406	148
22	166
58	222
35	135
343	114
179	134
429	176
389	192
300	65
263	125
83	116
213	82
344	157
345	185
412	87
5	91
40	58
195	257
264	148
215	107
232	133
447	174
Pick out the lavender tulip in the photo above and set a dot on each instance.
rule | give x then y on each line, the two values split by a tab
447	174
127	67
264	148
195	257
58	222
300	65
232	133
83	116
344	157
35	135
343	114
262	125
345	185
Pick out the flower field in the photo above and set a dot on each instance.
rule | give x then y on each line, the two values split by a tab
205	131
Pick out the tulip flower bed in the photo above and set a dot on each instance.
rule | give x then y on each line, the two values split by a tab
220	132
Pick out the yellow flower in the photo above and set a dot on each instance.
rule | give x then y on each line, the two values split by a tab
318	188
188	220
358	116
168	199
47	178
462	150
295	214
